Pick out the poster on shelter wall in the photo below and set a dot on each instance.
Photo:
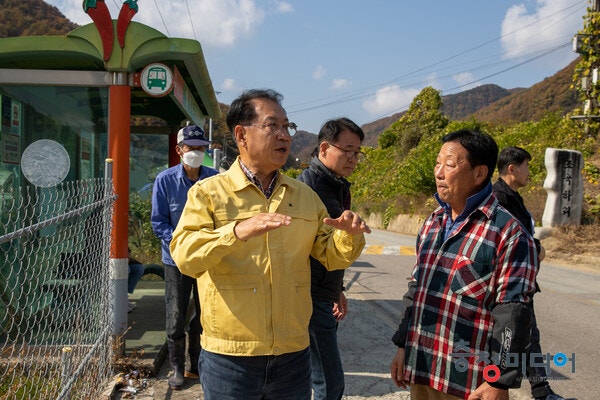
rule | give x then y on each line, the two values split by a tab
11	148
10	142
15	117
86	157
5	113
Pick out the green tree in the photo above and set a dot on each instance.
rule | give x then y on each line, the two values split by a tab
424	118
144	244
379	180
417	169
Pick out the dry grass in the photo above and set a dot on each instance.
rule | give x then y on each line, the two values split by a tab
574	246
535	201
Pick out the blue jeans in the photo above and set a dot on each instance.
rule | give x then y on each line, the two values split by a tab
284	377
327	372
178	288
136	271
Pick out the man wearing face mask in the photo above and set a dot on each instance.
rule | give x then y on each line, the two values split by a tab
169	195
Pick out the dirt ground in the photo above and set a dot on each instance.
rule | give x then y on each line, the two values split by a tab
581	253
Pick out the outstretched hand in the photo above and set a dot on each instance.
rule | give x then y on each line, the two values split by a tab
260	224
350	222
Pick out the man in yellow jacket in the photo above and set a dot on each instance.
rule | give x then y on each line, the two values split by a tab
247	235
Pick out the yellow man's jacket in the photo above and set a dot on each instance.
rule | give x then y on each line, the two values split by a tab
255	295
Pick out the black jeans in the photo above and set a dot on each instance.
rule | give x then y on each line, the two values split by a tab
537	376
178	288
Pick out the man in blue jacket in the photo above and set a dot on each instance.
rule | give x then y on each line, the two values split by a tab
169	195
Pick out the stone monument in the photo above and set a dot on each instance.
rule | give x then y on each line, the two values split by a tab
564	185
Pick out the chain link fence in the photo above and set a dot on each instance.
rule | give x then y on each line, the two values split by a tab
55	327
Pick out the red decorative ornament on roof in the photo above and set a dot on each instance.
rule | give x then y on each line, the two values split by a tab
128	10
98	11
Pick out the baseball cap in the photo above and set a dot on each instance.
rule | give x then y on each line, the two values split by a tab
192	136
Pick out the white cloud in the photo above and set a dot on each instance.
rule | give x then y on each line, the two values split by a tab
230	85
340	83
229	20
284	7
549	23
389	99
465	79
319	72
71	9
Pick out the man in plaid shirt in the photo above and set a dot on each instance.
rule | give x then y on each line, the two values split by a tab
467	317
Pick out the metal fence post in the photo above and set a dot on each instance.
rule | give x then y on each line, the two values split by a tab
66	368
118	273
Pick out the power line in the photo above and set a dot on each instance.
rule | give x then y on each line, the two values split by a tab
531	59
360	93
191	22
363	95
557	48
161	18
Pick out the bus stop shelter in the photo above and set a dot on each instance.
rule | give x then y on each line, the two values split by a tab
90	92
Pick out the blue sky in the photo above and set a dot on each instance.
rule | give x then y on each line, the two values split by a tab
364	59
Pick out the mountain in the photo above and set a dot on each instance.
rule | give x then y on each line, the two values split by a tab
553	94
303	145
461	105
494	104
32	18
373	129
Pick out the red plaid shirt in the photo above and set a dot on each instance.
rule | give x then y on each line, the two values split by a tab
467	289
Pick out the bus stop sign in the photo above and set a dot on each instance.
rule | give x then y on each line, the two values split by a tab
156	79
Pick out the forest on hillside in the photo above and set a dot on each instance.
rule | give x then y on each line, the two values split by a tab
32	18
397	177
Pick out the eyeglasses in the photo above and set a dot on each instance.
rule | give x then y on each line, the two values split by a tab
350	153
275	128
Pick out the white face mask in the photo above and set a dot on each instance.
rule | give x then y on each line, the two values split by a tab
193	158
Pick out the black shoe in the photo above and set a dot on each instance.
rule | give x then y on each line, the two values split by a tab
175	381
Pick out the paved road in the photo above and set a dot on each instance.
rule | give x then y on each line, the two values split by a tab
567	311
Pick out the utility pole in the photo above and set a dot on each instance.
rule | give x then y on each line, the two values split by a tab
587	72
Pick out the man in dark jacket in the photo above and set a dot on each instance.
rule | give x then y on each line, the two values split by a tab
335	158
513	167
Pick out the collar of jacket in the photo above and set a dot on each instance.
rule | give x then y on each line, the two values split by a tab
319	168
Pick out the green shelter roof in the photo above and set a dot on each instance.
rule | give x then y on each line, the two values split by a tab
81	50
